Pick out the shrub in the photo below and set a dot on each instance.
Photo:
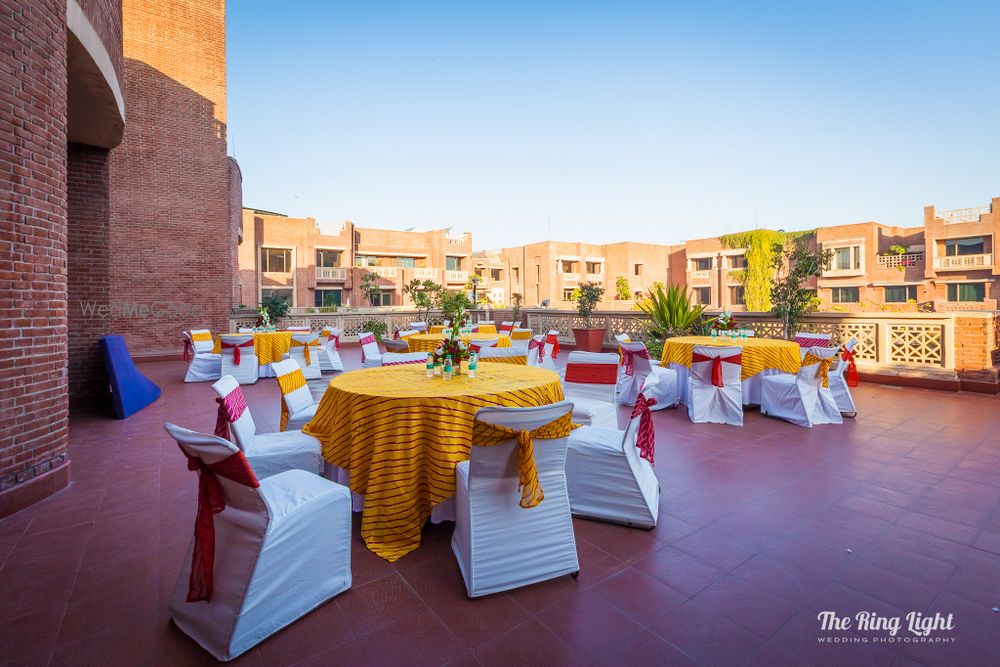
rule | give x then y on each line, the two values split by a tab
589	296
377	327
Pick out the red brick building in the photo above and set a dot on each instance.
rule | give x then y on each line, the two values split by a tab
118	194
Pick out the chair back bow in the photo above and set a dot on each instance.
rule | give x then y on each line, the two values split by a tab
540	346
288	383
188	348
231	408
486	434
851	373
717	365
306	345
553	340
628	359
235	347
211	501
645	439
823	369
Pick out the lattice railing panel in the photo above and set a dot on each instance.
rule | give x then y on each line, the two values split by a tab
634	326
916	344
867	335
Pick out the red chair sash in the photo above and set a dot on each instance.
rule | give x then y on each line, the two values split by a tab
188	349
395	334
592	373
231	408
851	374
805	341
211	501
367	340
336	342
553	340
717	364
474	348
506	328
628	359
235	347
646	436
540	346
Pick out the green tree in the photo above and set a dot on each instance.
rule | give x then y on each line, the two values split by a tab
370	288
764	247
454	305
795	264
589	295
671	312
424	294
276	306
622	288
517	300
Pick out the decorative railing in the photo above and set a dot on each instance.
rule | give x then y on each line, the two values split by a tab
892	339
896	261
959	262
570	277
964	214
351	322
384	271
700	275
426	274
456	276
331	273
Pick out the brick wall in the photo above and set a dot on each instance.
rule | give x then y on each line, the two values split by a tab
90	269
33	411
106	17
171	231
973	343
236	223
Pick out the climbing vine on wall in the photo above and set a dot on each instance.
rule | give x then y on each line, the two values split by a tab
763	250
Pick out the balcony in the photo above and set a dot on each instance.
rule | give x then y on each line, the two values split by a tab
904	260
334	273
704	274
570	277
960	215
384	271
963	262
456	276
595	277
427	274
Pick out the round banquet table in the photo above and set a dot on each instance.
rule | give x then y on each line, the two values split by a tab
400	434
430	342
270	346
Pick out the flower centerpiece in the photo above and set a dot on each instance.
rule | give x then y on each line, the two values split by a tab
724	322
263	318
453	345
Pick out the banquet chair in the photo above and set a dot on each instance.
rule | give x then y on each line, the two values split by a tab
244	330
610	478
329	357
297	405
507	355
807	340
638	374
842	377
305	350
204	365
623	338
480	345
801	398
419	327
500	545
371	357
400	358
543	350
506	327
298	329
396	345
520	338
268	453
278	548
715	393
239	358
590	382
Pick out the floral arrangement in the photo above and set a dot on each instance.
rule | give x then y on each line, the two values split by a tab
724	322
454	346
263	318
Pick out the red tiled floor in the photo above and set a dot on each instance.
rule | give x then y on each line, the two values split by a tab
760	529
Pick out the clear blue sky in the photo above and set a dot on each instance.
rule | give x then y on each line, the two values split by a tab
615	121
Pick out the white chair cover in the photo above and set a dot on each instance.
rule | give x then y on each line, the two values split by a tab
506	326
520	338
801	398
549	344
205	366
491	354
400	358
312	370
247	371
419	327
484	343
657	383
300	404
396	345
244	330
329	358
271	453
202	346
708	403
591	380
371	357
623	338
298	329
839	387
498	544
607	478
281	550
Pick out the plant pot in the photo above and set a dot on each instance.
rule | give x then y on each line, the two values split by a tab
589	340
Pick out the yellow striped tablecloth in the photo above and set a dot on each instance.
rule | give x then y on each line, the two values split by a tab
270	346
401	434
520	359
758	353
429	342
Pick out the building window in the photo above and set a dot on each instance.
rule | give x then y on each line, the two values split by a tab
970	246
567	267
538	273
701	264
568	294
593	267
847	258
517	273
844	294
703	295
328	258
406	262
275	260
966	291
495	274
278	292
637	269
384	298
738	262
900	293
365	260
328	297
453	263
736	295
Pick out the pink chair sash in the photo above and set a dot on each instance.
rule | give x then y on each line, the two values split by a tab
235	347
231	408
646	436
540	345
367	340
188	349
336	342
628	359
717	365
211	501
806	341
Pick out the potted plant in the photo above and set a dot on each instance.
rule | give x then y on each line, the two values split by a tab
588	338
671	313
